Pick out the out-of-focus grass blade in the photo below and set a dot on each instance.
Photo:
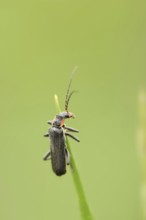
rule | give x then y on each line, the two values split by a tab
57	103
142	146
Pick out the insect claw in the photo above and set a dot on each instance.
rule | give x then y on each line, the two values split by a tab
47	156
49	122
46	135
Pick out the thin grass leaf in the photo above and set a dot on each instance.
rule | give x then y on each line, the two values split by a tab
84	208
83	204
57	103
141	138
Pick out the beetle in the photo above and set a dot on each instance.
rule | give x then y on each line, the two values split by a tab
57	133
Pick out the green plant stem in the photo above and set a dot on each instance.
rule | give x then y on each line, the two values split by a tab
84	208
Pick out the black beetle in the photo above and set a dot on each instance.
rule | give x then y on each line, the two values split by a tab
57	133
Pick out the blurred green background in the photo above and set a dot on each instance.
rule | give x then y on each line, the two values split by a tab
40	43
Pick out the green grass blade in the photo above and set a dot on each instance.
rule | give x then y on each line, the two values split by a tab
84	207
57	103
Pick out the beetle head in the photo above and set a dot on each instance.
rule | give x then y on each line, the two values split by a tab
66	115
59	119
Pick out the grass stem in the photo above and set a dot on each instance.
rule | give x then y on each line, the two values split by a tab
83	204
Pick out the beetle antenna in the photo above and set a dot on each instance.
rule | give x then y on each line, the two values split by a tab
68	96
71	93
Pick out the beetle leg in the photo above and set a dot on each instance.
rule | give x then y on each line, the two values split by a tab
67	155
49	122
47	156
71	129
46	135
70	135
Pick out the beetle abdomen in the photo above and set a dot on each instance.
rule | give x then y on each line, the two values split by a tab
58	160
59	172
57	150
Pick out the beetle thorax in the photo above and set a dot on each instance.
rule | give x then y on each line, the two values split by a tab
58	122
